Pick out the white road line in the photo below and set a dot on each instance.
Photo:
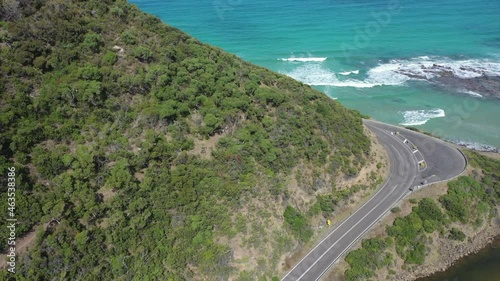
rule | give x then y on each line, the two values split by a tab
347	219
401	159
359	221
363	233
396	150
333	231
368	228
414	156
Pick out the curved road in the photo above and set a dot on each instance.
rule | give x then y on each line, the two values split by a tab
415	160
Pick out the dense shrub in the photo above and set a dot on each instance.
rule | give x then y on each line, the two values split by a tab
297	223
364	261
457	234
110	144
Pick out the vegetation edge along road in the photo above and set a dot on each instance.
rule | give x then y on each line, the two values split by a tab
404	176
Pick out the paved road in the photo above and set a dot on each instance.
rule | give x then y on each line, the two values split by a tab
415	159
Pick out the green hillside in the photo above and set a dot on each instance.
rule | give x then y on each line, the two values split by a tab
139	150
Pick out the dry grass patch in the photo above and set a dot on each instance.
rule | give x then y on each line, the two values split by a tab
203	148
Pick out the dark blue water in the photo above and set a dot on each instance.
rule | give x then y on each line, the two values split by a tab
483	266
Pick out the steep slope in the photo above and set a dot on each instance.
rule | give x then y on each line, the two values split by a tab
143	154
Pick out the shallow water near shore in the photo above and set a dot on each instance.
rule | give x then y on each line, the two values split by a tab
400	61
482	266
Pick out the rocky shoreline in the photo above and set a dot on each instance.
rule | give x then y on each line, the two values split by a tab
478	148
451	252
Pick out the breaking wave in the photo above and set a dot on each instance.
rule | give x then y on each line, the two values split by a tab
345	73
420	117
398	72
304	59
319	75
472	93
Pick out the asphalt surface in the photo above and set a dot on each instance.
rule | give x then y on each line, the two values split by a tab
415	160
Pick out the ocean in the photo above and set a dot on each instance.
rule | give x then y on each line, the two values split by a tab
433	65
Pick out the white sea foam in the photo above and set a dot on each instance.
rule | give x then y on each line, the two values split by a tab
420	117
472	93
304	59
395	72
313	74
319	75
386	74
345	73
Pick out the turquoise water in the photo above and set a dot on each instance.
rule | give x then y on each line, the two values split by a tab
381	57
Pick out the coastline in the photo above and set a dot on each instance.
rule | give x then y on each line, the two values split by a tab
451	252
490	151
454	253
446	253
482	265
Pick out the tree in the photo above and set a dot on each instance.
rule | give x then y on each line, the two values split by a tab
212	123
82	162
143	54
85	123
92	42
120	177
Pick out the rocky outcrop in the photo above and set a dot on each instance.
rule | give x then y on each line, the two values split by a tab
451	252
486	86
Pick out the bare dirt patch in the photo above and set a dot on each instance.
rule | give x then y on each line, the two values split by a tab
256	242
299	197
107	194
204	148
